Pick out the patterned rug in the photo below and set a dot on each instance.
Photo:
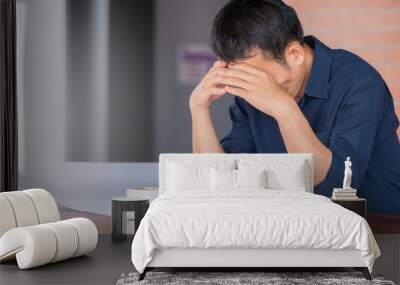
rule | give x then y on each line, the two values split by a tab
243	278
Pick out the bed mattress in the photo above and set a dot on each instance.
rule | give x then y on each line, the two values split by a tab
250	219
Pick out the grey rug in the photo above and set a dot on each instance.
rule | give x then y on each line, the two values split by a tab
232	278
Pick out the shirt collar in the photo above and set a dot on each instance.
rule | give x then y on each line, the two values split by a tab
317	85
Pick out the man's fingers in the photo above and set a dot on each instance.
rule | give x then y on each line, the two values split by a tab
237	91
232	81
216	96
216	91
219	63
209	79
246	68
212	73
237	73
237	76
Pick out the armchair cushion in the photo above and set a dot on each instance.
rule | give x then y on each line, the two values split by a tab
40	244
31	232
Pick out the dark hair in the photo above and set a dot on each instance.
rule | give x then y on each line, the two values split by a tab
242	25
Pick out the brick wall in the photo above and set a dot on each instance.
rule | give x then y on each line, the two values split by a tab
368	28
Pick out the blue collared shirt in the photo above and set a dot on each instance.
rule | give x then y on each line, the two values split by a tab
351	111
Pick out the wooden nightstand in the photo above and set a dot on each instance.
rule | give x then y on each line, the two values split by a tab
120	205
357	205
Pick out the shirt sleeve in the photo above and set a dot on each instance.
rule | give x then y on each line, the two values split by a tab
353	134
239	139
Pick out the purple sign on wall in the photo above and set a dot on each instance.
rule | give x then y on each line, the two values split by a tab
194	61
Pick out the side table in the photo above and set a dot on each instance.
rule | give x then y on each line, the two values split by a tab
357	205
123	204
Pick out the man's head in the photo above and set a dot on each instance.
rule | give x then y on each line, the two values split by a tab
266	34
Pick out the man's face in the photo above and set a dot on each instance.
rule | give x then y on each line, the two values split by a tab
290	75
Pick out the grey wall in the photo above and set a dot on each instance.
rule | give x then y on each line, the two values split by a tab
109	75
43	98
42	84
86	33
130	104
180	22
47	99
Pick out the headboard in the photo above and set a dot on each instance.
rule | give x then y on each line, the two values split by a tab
209	158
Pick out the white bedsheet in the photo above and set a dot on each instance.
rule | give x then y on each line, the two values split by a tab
250	219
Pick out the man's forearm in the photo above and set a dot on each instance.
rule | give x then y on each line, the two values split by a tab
204	137
300	138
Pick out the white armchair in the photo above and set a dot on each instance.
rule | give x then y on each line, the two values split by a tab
31	230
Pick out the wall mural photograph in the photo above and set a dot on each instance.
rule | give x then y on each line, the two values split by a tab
256	139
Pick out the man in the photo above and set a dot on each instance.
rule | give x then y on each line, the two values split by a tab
294	94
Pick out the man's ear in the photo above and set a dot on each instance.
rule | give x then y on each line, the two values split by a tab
294	53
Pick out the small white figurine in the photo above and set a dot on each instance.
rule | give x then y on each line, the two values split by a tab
347	174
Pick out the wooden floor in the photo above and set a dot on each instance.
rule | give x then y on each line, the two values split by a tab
102	222
104	265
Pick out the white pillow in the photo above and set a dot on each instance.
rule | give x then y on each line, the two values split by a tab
281	175
251	178
188	175
223	179
293	179
185	177
237	179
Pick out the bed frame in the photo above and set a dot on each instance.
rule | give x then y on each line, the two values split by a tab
248	259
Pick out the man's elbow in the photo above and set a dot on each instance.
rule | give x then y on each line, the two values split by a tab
322	164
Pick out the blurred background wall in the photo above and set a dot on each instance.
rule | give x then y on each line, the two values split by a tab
180	22
44	102
47	87
109	100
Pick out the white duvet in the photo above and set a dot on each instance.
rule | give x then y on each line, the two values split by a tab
250	219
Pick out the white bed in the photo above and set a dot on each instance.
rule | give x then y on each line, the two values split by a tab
248	227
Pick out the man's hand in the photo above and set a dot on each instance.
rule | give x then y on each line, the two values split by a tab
204	137
208	90
262	91
257	87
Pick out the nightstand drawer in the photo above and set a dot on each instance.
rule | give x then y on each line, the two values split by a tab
358	206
